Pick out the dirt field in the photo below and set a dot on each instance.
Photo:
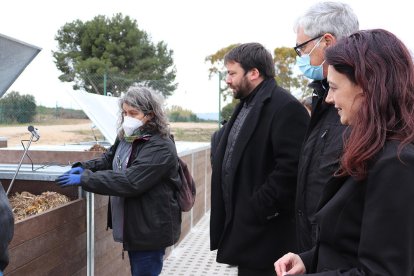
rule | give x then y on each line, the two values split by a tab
74	131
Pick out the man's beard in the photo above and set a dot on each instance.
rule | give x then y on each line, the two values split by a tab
242	90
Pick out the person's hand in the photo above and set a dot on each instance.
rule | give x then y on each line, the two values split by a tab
289	264
76	170
67	179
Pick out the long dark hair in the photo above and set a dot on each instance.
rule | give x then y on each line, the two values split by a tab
381	64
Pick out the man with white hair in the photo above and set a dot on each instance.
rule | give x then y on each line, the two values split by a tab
316	30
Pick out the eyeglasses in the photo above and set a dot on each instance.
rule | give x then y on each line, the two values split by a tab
298	48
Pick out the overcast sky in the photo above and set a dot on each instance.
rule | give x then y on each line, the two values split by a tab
192	29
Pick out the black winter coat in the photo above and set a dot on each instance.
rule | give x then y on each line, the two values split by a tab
260	226
152	216
367	227
6	228
318	162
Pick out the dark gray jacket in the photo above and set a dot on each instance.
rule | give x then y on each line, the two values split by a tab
152	216
318	162
6	228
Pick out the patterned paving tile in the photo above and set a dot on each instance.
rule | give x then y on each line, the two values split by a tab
192	257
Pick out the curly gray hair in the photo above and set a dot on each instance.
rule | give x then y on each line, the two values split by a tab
149	102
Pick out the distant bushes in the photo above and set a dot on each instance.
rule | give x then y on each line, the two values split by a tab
178	114
60	113
20	109
16	108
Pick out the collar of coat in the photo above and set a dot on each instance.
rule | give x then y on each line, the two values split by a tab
137	137
320	88
249	98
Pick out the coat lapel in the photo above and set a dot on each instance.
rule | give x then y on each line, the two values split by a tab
250	123
221	148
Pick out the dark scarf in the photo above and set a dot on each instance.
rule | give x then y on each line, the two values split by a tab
138	135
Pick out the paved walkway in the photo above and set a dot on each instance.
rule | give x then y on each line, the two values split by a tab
192	257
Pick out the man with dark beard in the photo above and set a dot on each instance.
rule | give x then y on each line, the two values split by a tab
255	166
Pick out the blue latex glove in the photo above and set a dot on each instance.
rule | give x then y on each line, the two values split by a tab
66	180
76	170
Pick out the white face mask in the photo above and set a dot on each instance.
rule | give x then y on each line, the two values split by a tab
130	125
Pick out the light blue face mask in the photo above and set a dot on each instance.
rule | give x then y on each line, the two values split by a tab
310	71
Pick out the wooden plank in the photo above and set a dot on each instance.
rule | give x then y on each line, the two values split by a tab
37	225
101	223
74	258
8	156
43	265
82	272
105	248
42	244
113	265
100	201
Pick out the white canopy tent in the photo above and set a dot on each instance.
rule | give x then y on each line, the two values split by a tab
102	110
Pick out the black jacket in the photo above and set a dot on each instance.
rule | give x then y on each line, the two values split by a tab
215	140
319	160
152	216
367	227
6	228
259	227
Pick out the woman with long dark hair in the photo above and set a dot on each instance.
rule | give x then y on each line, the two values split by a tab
365	218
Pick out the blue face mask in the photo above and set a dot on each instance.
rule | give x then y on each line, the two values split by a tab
310	71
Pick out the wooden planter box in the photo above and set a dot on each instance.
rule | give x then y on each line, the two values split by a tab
54	242
43	244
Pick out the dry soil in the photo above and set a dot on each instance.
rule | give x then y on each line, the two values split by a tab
72	131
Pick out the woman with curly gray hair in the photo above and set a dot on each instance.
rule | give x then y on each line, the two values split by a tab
150	103
140	174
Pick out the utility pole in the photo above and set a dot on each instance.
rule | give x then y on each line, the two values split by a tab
105	79
219	100
221	76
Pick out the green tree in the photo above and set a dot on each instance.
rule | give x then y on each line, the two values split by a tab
217	67
113	46
178	114
228	109
304	82
17	108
